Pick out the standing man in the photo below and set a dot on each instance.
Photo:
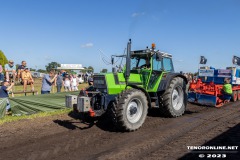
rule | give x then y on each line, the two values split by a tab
10	70
59	81
21	69
47	82
6	87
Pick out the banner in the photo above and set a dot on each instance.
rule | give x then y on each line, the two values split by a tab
224	73
206	72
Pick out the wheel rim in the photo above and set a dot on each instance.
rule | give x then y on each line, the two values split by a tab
134	110
177	98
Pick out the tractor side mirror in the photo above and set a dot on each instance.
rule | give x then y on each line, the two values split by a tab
158	57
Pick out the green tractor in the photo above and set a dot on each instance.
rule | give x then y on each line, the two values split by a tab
147	80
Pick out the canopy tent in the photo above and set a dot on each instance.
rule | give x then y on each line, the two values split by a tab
34	104
71	66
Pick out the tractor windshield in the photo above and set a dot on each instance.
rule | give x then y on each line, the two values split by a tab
138	62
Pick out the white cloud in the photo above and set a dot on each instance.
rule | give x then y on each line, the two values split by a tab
87	45
136	14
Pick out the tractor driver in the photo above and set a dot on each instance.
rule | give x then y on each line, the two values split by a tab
147	64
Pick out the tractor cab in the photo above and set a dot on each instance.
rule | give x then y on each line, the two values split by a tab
151	59
150	64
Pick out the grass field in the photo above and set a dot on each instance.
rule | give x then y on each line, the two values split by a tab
37	86
9	118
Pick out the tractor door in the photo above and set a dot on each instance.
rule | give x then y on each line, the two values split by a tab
145	72
156	72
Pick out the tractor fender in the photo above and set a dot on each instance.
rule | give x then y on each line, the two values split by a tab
144	91
166	79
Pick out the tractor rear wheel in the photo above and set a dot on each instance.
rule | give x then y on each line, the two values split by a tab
238	95
234	96
174	99
129	111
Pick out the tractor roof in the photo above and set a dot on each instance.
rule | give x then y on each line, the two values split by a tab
148	52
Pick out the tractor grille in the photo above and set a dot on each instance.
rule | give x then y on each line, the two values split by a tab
99	82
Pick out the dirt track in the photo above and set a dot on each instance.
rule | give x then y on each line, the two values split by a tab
64	137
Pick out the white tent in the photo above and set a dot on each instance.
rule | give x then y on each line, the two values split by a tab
71	66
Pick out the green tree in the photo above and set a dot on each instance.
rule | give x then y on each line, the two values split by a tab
3	59
104	70
84	70
52	65
41	71
90	69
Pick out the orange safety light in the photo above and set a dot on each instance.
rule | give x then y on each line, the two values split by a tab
153	45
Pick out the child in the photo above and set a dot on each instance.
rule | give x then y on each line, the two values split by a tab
67	84
74	83
6	87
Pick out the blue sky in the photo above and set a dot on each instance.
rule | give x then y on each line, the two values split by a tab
73	31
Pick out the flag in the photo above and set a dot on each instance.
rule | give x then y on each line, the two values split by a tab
236	60
203	60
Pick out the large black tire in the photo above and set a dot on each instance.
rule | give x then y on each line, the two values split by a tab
238	95
130	109
174	99
234	96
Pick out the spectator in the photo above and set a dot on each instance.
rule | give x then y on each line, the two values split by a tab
67	83
21	69
90	81
1	74
47	81
10	70
59	81
64	73
75	83
70	77
86	77
6	87
27	79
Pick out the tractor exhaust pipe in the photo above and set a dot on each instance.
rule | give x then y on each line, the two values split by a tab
128	62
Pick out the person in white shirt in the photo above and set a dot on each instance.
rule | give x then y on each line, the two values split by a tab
75	83
67	84
10	70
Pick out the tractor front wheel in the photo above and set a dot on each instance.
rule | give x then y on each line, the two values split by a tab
130	110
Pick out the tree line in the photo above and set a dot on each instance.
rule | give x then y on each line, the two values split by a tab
49	66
